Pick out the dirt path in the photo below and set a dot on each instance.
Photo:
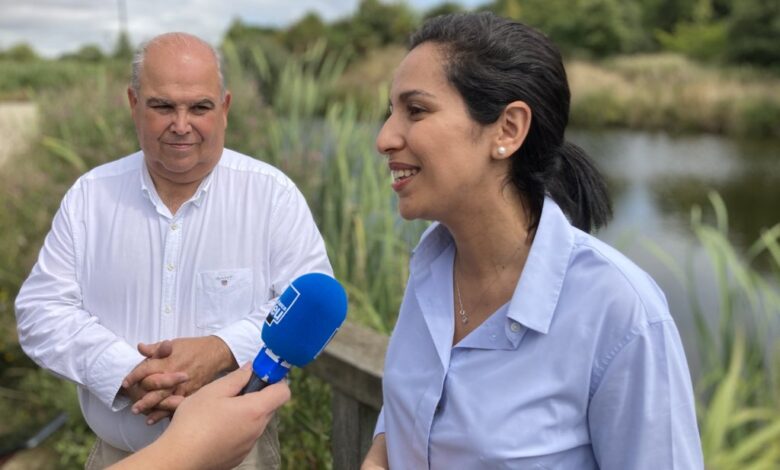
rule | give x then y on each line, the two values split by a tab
18	126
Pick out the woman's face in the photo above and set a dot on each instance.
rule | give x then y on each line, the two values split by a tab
438	156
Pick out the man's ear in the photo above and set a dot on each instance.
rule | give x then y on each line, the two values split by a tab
513	126
131	97
226	105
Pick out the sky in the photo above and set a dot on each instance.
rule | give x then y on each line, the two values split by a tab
56	26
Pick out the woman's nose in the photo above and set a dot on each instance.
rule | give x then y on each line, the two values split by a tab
389	138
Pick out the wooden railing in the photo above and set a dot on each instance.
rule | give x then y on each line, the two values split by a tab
352	365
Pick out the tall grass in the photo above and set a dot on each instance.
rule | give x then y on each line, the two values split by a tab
25	80
739	390
670	92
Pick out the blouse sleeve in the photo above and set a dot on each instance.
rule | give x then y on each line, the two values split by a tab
642	412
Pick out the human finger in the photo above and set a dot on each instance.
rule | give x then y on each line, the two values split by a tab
156	350
268	399
145	368
163	380
147	350
171	403
150	400
231	384
157	415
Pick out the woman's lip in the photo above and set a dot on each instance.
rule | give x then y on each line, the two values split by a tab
401	166
399	185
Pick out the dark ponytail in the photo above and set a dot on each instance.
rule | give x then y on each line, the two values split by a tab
492	62
578	188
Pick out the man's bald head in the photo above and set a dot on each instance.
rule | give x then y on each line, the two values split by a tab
174	43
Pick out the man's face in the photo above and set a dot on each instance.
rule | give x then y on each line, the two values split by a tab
179	113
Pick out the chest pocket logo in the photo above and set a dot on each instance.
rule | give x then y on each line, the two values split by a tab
223	297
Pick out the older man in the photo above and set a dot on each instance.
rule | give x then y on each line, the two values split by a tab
184	240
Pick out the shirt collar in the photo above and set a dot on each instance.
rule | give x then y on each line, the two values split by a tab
147	187
536	294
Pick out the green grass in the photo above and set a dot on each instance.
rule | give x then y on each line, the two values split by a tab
738	393
24	80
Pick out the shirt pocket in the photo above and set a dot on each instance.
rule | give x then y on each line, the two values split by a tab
222	297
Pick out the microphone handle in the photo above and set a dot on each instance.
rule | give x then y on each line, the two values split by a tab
255	384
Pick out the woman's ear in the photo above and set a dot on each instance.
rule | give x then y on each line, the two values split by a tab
513	125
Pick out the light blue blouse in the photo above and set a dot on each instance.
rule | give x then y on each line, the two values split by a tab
582	369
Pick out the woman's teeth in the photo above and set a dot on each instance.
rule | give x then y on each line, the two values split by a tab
401	174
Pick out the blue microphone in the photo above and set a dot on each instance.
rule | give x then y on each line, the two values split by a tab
305	318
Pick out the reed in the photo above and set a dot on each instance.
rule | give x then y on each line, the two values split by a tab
738	392
670	92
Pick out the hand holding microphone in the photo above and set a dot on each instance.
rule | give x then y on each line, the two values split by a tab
305	318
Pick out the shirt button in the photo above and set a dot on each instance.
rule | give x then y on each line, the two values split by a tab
170	267
174	226
515	327
168	309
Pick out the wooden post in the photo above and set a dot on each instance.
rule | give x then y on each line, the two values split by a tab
353	428
352	364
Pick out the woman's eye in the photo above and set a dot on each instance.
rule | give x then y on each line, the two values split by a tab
415	110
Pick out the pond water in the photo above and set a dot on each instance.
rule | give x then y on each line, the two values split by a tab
656	178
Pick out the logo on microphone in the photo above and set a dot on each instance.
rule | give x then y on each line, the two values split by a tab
283	305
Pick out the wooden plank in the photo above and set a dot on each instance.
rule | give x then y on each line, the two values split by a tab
353	430
352	363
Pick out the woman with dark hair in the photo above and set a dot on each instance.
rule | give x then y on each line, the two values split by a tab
522	341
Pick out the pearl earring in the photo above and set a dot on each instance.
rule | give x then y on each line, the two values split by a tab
502	151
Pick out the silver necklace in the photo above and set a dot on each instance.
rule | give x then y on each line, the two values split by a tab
464	317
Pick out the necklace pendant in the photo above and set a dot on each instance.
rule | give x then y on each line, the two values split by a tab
464	318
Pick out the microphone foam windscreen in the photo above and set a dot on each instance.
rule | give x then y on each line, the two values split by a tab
305	318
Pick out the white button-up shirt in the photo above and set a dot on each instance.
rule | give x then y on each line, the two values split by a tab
582	369
117	268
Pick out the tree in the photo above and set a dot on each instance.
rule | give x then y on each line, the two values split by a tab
601	27
21	52
753	32
665	14
443	9
87	53
307	30
123	49
377	24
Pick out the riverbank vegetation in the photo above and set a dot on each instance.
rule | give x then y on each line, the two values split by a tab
313	111
681	66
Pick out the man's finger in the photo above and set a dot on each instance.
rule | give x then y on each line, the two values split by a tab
146	367
147	402
163	380
156	350
171	403
155	416
147	350
164	349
